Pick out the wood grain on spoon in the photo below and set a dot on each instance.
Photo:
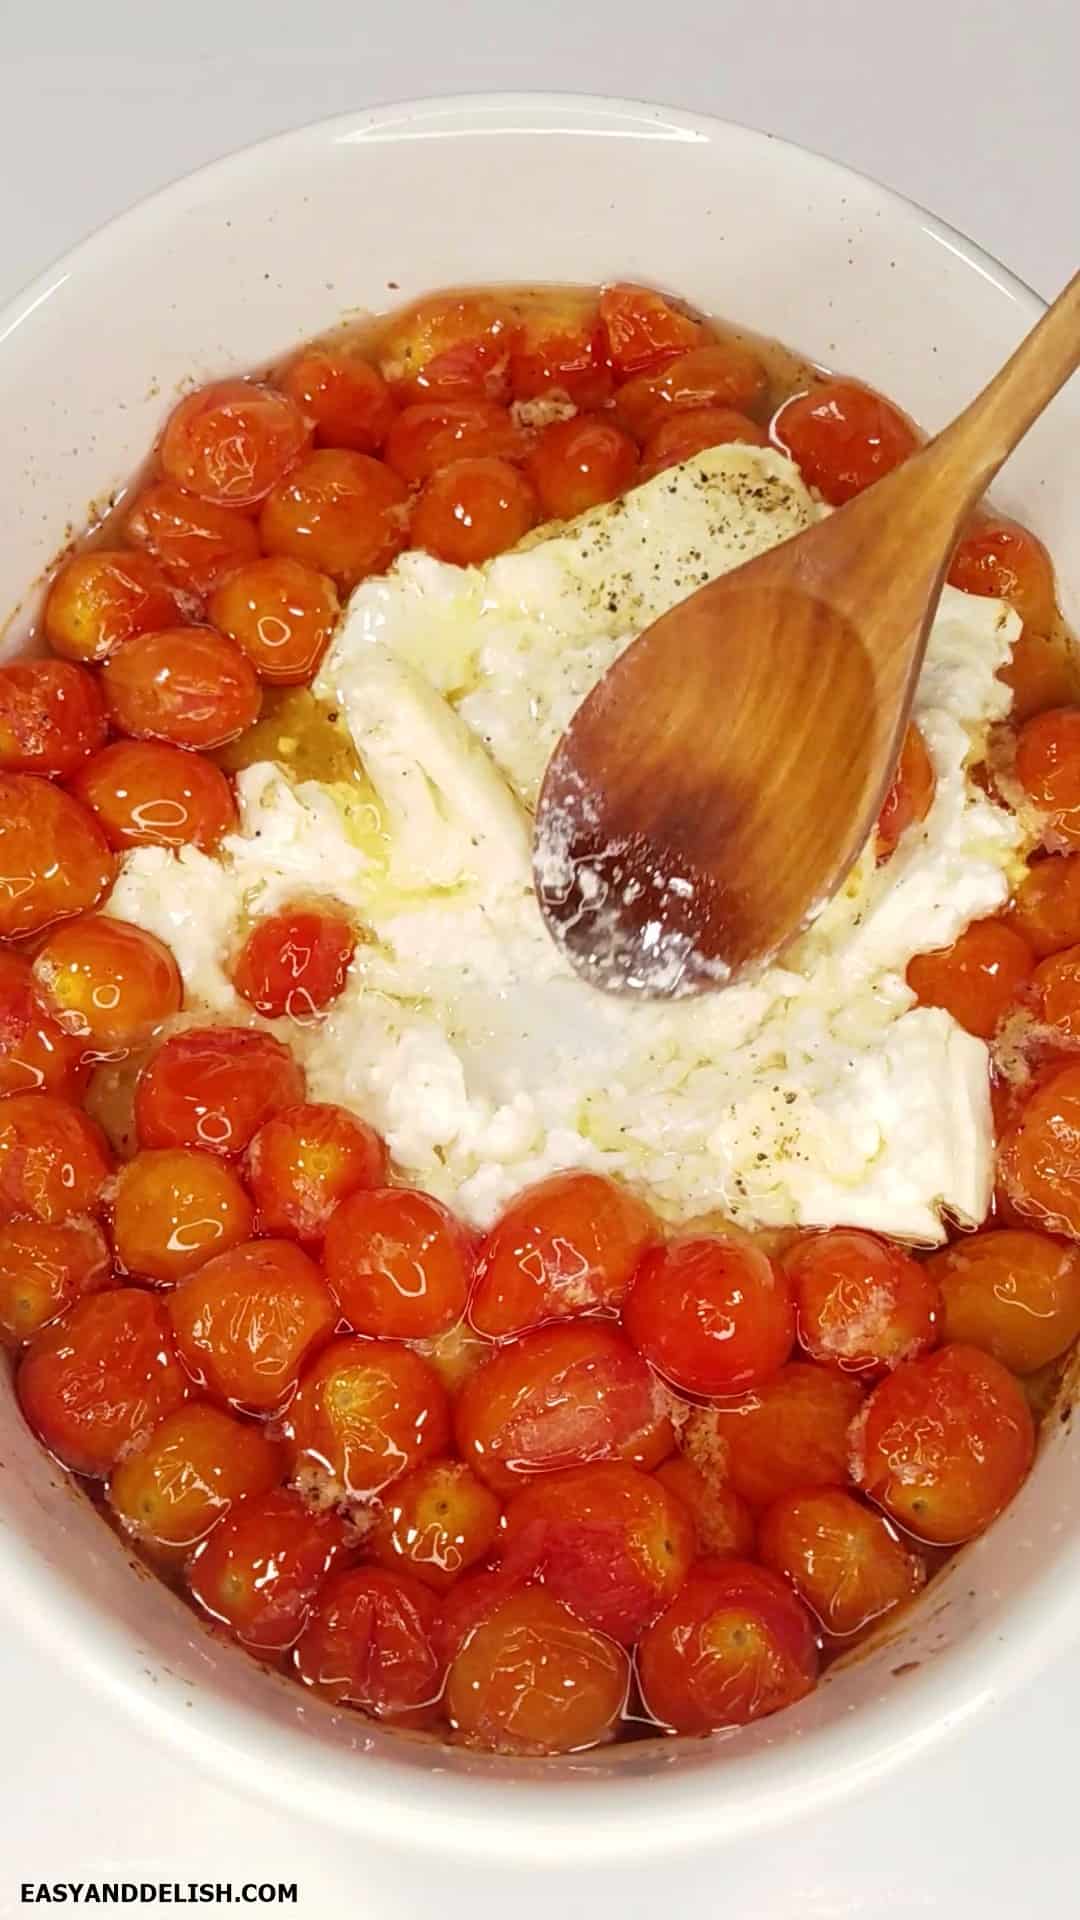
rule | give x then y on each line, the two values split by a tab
714	789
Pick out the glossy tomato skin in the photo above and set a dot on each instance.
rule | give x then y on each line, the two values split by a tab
280	614
1046	907
305	1161
560	350
643	330
44	1269
1015	1294
531	1678
580	463
843	436
54	1160
174	1209
1005	560
1048	769
246	1321
295	963
684	435
790	1432
232	441
100	1377
54	859
344	395
862	1303
398	1263
712	1316
846	1562
725	373
367	1411
734	1645
1039	1155
978	978
473	509
723	1523
1056	992
189	1473
450	345
109	984
188	686
145	793
194	542
435	433
568	1245
214	1087
341	513
52	717
261	1571
102	597
370	1643
36	1055
435	1523
910	796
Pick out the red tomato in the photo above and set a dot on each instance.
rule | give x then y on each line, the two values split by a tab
36	1055
710	1315
247	1320
561	350
473	509
725	374
580	463
560	1397
342	513
643	330
54	860
735	1644
262	1569
189	1473
230	442
685	435
435	1523
53	1159
532	1678
944	1443
612	1543
723	1522
1046	908
370	1643
861	1304
566	1246
45	1269
843	437
308	1159
977	979
788	1434
295	962
1056	987
194	543
367	1412
102	597
847	1564
1039	1155
1042	672
450	344
281	615
187	685
1014	1294
434	433
1048	768
51	717
911	795
146	794
107	983
100	1377
398	1263
174	1209
214	1087
347	398
1000	558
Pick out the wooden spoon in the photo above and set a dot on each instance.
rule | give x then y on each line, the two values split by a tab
715	788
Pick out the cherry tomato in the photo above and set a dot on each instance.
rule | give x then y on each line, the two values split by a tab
214	1087
295	962
846	1563
1046	907
1013	1293
398	1263
366	1412
450	344
53	1159
711	1316
1004	560
580	463
977	979
261	1570
435	433
308	1159
1039	1155
468	1602
473	509
247	1320
911	795
843	437
643	330
725	375
561	350
611	1542
1042	672
341	513
107	983
102	597
189	1473
187	685
686	434
533	1678
723	1522
52	717
435	1523
789	1433
370	1643
281	615
36	1055
944	1443
860	1303
734	1645
146	794
100	1377
1057	992
1048	768
568	1245
347	398
44	1269
560	1397
174	1210
230	442
194	543
54	859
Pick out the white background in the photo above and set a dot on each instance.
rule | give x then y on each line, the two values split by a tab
970	106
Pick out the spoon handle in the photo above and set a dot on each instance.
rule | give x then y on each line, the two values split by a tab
967	455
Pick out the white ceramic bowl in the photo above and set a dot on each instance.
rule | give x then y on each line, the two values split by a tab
222	272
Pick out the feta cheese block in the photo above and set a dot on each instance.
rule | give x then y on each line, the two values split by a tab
817	1094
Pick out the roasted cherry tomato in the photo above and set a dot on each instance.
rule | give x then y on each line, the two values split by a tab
723	1522
99	1378
344	395
370	1643
724	374
367	1412
186	685
280	614
36	1055
643	330
911	795
1004	560
735	1644
580	463
1048	768
978	978
305	1161
230	442
54	1161
398	1263
1039	1155
261	1570
711	1316
295	962
1012	1293
193	542
435	433
789	1433
561	351
435	1523
1056	992
146	794
533	1678
568	1245
451	345
845	1562
341	513
843	437
54	859
214	1087
44	1269
52	717
174	1209
102	597
107	983
247	1320
861	1303
685	435
473	509
189	1473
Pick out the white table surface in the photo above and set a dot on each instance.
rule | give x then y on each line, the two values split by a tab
970	106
